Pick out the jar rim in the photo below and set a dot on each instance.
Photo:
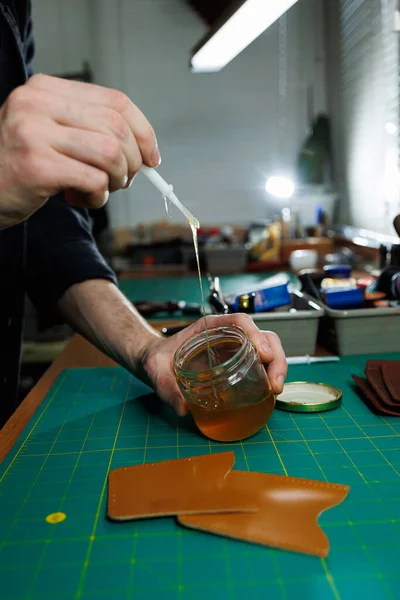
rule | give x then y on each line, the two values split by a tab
201	339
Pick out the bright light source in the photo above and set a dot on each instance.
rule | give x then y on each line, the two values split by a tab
391	128
244	26
281	187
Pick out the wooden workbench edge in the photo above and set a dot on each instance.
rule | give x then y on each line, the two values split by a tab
77	353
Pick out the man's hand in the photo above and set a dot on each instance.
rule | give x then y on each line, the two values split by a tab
159	354
65	135
98	310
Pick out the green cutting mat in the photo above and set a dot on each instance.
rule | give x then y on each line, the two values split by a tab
186	287
97	419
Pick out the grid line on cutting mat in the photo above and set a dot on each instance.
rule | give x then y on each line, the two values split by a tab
154	558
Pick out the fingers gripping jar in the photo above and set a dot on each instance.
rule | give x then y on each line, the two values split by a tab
225	383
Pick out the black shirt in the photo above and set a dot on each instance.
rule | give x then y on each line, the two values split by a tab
54	248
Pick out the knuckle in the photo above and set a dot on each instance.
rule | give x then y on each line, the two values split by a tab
102	180
111	151
148	134
39	79
25	100
119	100
118	125
244	318
162	382
18	99
273	335
135	162
23	133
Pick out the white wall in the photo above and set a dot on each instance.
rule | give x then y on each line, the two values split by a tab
218	133
62	35
364	61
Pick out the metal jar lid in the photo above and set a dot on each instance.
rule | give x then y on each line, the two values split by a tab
304	396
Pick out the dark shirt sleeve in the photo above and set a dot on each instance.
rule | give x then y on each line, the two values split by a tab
29	43
61	251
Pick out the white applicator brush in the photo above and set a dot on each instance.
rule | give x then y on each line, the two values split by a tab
167	192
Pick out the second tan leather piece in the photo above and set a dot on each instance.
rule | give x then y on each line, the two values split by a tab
182	486
287	516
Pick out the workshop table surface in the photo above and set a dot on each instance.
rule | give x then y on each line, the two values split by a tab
55	539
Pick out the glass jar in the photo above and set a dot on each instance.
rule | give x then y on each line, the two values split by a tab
225	384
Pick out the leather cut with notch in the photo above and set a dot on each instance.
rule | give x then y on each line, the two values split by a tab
182	486
287	516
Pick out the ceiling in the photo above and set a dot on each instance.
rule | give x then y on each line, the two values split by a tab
210	10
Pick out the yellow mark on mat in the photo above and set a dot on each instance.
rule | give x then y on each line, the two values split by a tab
57	517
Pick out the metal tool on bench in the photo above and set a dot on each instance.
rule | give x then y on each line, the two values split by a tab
215	299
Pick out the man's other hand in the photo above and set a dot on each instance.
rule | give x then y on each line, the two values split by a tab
159	353
59	135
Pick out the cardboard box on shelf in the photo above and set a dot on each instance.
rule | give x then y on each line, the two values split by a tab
322	245
121	239
163	231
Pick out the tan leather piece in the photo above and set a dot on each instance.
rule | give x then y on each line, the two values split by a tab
182	486
287	516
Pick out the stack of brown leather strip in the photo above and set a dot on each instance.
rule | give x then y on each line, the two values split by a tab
381	388
204	493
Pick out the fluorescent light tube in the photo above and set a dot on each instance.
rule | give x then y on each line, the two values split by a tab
237	31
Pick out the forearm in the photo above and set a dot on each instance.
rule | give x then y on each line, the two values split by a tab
102	314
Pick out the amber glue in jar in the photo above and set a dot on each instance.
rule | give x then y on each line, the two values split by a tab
225	384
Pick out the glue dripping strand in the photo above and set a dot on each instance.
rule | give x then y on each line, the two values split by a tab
167	207
203	306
